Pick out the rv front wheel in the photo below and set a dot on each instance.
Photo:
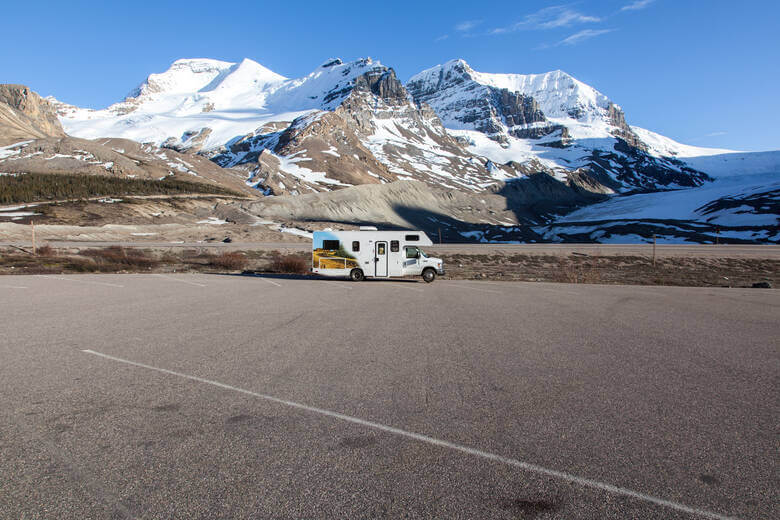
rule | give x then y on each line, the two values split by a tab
429	275
356	275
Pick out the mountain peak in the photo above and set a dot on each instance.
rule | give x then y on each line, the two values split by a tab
200	63
457	63
251	71
184	75
330	63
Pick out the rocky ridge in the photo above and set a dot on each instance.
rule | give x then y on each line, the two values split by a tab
25	115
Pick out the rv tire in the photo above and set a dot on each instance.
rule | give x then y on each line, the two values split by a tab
356	275
429	275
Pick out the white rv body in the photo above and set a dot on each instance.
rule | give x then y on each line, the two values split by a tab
369	253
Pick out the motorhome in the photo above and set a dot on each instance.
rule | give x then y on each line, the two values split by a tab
369	253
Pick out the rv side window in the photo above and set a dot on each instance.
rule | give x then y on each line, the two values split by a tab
411	252
412	238
330	244
355	246
394	246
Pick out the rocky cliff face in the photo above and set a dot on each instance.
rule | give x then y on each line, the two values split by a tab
552	117
25	115
464	102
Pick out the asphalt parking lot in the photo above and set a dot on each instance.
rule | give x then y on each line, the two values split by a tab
215	396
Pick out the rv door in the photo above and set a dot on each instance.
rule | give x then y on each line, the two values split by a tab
380	260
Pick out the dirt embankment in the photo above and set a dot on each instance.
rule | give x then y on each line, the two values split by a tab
181	218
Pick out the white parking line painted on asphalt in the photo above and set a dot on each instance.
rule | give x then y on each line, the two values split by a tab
81	281
179	280
526	466
269	281
12	287
473	288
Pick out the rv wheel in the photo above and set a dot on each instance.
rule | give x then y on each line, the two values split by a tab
429	275
356	275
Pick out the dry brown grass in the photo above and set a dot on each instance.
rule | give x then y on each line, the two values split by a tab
45	250
116	258
293	264
230	260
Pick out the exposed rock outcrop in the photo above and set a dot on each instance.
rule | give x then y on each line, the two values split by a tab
25	115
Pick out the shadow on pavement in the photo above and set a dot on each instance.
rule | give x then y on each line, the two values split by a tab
313	278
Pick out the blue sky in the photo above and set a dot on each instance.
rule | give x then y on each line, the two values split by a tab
701	72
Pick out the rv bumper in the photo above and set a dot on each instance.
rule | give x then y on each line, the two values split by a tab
440	270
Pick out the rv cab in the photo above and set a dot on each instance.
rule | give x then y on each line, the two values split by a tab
369	253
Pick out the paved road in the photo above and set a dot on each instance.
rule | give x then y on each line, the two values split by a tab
662	250
212	396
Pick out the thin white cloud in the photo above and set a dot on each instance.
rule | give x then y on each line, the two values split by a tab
442	37
705	136
549	18
583	35
467	25
636	6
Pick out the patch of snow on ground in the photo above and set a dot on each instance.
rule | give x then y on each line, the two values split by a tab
296	231
15	208
289	165
18	214
332	151
213	220
12	149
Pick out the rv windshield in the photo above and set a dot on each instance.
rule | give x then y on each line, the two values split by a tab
422	253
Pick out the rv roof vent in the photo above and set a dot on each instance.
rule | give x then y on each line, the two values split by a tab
368	228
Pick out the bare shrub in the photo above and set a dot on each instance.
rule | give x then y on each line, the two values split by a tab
45	250
230	260
116	257
293	264
572	273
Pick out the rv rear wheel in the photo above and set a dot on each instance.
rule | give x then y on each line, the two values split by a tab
356	275
429	275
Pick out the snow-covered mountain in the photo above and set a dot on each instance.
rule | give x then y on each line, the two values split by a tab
450	126
343	124
552	118
483	127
